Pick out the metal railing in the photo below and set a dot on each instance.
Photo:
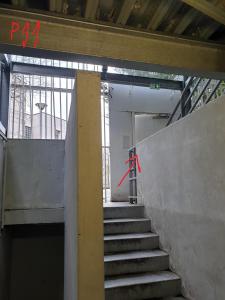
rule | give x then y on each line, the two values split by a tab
39	103
105	142
197	92
39	106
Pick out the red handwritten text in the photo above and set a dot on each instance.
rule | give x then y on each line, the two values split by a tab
26	30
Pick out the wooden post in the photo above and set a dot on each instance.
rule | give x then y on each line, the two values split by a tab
90	271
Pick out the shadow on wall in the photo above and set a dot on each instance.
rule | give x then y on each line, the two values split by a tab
33	262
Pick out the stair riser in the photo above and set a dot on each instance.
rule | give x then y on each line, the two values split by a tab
139	265
118	246
128	227
144	291
123	212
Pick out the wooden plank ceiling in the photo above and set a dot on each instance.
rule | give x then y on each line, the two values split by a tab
201	20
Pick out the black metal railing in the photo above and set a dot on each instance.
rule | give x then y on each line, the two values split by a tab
197	92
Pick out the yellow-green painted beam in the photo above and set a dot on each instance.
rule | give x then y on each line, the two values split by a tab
126	46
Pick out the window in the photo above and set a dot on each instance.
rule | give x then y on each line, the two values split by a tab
27	132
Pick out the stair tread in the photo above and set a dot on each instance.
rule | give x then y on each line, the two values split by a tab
121	205
138	279
128	236
171	298
134	255
124	220
174	298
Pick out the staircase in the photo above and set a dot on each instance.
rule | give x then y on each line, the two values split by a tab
135	267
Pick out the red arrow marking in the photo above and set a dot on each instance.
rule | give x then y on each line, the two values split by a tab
135	160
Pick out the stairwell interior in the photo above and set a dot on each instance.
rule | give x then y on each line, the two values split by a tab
136	263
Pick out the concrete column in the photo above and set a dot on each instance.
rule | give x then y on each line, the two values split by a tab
90	249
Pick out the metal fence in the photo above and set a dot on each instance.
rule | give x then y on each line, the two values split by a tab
105	98
39	107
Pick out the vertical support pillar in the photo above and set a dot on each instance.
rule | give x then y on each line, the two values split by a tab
90	256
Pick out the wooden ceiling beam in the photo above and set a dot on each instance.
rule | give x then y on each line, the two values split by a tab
172	16
91	9
125	11
208	8
111	45
161	11
187	19
208	31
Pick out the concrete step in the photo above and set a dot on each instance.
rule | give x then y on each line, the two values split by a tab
115	226
170	298
143	286
174	298
136	262
130	242
125	211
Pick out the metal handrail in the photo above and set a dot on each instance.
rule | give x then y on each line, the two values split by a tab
200	95
3	136
191	95
183	102
213	91
190	80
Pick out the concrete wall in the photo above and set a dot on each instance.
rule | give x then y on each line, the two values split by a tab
124	101
121	141
32	267
146	125
183	186
70	196
35	174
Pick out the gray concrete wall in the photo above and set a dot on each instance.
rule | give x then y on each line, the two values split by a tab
70	279
121	141
35	174
146	125
182	185
124	101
